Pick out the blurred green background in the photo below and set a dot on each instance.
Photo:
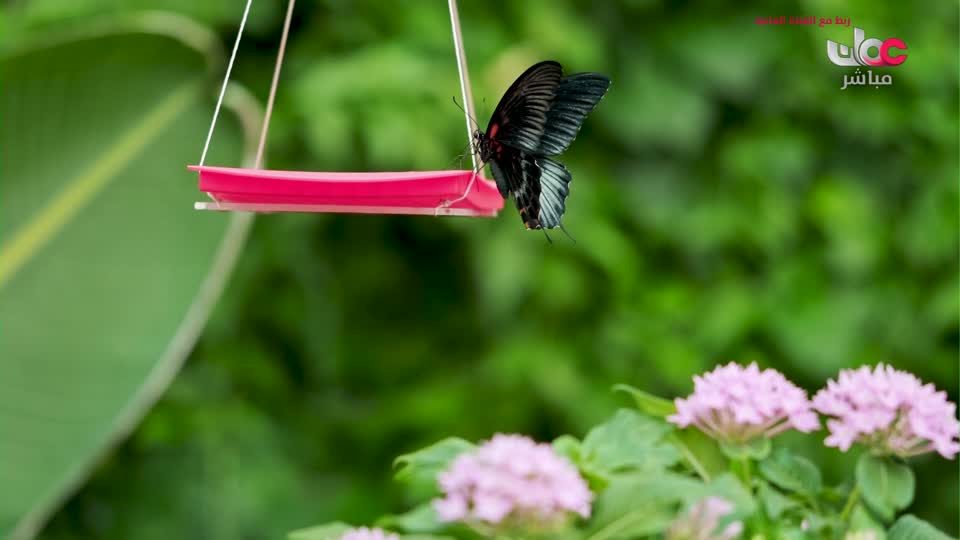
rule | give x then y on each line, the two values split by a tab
729	202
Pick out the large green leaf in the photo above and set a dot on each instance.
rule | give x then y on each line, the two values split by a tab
636	505
629	441
332	531
420	469
107	274
792	473
648	403
910	527
885	485
422	519
320	532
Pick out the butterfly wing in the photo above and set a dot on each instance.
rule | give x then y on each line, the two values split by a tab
554	189
574	98
515	177
539	186
501	174
521	116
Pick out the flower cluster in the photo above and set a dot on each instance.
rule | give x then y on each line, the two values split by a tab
890	411
363	533
511	476
513	487
737	404
703	520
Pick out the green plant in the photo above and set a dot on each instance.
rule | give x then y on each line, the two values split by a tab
636	475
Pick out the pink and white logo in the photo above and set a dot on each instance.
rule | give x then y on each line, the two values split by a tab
886	51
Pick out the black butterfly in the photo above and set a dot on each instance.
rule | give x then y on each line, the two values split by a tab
537	118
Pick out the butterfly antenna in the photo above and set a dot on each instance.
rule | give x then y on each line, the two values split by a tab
545	233
566	232
472	119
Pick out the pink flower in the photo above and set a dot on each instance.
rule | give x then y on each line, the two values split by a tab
512	476
364	533
702	521
736	404
890	411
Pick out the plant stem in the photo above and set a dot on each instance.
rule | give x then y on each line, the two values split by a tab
743	464
690	457
851	501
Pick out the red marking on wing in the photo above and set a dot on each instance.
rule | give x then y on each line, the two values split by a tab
493	131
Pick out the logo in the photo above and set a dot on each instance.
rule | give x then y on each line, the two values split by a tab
888	52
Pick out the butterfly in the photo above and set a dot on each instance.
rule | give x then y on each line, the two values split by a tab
536	120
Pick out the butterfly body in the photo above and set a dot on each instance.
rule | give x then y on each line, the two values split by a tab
537	119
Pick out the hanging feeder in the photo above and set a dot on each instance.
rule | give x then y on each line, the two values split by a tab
444	193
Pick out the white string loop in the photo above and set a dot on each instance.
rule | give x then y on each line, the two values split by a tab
226	79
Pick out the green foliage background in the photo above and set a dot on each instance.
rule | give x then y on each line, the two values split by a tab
729	203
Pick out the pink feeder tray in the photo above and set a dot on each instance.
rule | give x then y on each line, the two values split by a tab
417	193
413	193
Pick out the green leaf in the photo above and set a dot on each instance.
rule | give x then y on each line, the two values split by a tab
792	533
756	449
648	403
107	274
422	519
569	447
635	505
861	520
641	504
731	489
629	441
333	531
885	486
910	527
792	473
701	453
423	466
775	503
329	531
817	523
632	522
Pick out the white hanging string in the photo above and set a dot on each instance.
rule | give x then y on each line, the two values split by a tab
226	79
273	86
461	68
464	79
